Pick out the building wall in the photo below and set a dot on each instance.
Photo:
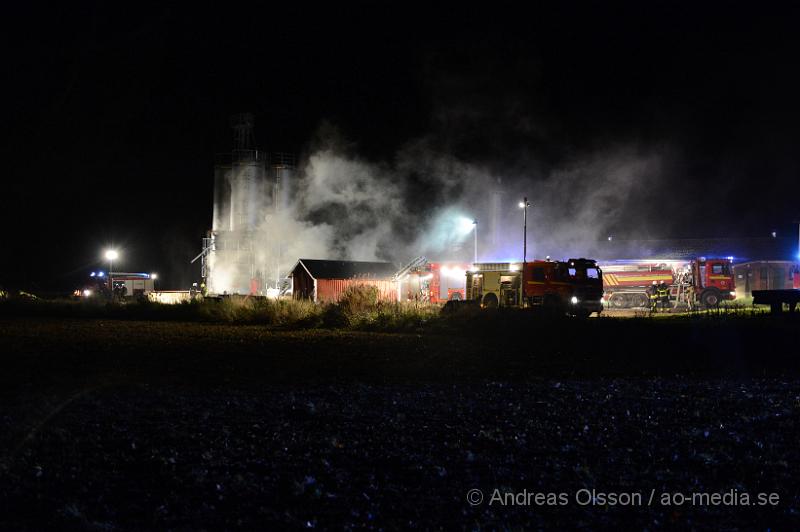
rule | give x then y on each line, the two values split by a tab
331	290
763	275
302	284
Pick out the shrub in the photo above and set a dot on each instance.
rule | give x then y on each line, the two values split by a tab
357	299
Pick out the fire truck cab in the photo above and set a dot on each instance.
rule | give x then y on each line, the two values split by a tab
712	281
573	287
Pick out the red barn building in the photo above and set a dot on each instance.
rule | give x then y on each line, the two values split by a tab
324	281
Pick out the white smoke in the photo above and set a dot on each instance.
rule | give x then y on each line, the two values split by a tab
417	203
423	202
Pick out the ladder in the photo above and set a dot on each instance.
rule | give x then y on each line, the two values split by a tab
416	263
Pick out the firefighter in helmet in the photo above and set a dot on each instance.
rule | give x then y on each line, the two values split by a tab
663	295
652	295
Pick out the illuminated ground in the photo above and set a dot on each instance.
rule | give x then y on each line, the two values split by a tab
112	424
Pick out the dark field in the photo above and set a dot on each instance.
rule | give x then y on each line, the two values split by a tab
128	424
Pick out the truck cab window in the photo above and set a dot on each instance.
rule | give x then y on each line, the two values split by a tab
720	269
592	273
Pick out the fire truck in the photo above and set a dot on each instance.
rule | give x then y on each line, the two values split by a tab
699	282
126	285
431	282
573	287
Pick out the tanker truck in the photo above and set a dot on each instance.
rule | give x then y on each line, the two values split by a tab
695	283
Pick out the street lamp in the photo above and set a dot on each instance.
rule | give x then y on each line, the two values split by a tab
111	256
524	204
475	229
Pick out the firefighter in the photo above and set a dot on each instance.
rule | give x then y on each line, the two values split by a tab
663	295
652	295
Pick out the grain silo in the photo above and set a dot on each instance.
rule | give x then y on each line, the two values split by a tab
249	187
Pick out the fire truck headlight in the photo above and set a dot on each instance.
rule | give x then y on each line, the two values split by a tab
574	300
87	293
733	294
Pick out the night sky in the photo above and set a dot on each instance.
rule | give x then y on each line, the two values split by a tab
113	116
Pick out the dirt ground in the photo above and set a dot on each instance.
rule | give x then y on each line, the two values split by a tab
138	425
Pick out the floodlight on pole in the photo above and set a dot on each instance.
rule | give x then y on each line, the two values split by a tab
475	229
524	204
111	256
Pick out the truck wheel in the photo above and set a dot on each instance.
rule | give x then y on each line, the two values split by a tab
711	298
490	301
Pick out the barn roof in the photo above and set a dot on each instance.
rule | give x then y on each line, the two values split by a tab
346	269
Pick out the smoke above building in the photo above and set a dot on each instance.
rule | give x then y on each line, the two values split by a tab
336	204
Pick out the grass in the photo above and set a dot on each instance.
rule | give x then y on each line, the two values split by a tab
359	309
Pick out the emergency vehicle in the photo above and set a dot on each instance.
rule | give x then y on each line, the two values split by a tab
573	287
699	282
431	282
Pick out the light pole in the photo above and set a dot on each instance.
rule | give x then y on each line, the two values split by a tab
475	231
524	206
111	255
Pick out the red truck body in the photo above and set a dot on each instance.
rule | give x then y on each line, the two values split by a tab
700	281
574	287
434	282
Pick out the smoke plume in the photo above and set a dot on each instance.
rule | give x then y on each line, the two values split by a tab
423	202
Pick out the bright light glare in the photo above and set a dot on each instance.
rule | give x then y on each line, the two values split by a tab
154	276
87	293
445	270
92	274
574	300
111	254
521	204
465	225
514	267
273	293
100	274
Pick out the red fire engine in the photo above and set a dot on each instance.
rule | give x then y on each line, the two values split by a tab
692	283
431	282
572	287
